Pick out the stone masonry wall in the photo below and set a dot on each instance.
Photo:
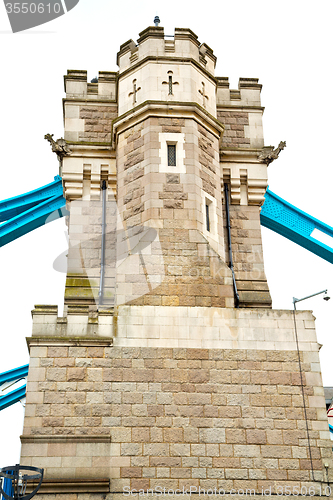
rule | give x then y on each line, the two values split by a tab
225	418
248	256
234	122
210	181
180	267
84	252
97	122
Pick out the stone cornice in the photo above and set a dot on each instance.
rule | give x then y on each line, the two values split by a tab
167	109
249	155
93	150
69	341
86	99
54	438
74	485
239	107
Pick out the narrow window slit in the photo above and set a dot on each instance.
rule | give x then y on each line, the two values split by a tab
207	218
171	155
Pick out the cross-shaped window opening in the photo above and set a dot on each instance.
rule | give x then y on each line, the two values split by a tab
134	92
172	155
204	96
170	84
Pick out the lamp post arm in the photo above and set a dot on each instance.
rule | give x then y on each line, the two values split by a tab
308	297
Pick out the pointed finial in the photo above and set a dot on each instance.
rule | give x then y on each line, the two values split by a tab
156	20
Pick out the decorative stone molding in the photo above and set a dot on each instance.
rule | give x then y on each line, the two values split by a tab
166	109
269	154
73	341
57	486
85	438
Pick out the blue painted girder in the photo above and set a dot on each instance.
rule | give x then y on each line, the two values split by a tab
17	394
12	397
15	374
28	211
13	206
294	224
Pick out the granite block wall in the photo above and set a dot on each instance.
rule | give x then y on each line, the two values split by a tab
174	417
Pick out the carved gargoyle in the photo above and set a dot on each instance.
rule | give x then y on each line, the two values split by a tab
272	154
59	146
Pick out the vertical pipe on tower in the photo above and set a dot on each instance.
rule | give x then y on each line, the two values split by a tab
231	265
101	281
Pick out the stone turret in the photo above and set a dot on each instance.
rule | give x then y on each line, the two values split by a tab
165	100
168	70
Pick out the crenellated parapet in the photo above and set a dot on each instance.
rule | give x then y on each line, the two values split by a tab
247	94
153	43
76	85
89	108
159	68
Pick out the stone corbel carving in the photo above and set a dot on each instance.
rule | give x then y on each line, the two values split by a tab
59	146
269	154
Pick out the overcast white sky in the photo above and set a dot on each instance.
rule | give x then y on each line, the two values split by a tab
287	44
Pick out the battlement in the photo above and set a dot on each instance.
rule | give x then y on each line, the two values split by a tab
247	94
89	108
166	68
77	85
152	43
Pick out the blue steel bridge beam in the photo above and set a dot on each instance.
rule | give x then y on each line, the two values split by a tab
33	209
15	374
12	397
26	212
37	216
14	206
296	225
9	378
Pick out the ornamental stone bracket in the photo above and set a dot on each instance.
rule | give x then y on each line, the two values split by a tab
247	180
269	154
59	146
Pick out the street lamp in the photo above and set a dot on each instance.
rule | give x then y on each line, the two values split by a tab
17	478
326	297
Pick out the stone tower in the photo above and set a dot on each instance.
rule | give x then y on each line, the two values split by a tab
169	368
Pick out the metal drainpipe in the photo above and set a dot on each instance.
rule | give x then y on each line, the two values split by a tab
226	193
101	281
303	395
